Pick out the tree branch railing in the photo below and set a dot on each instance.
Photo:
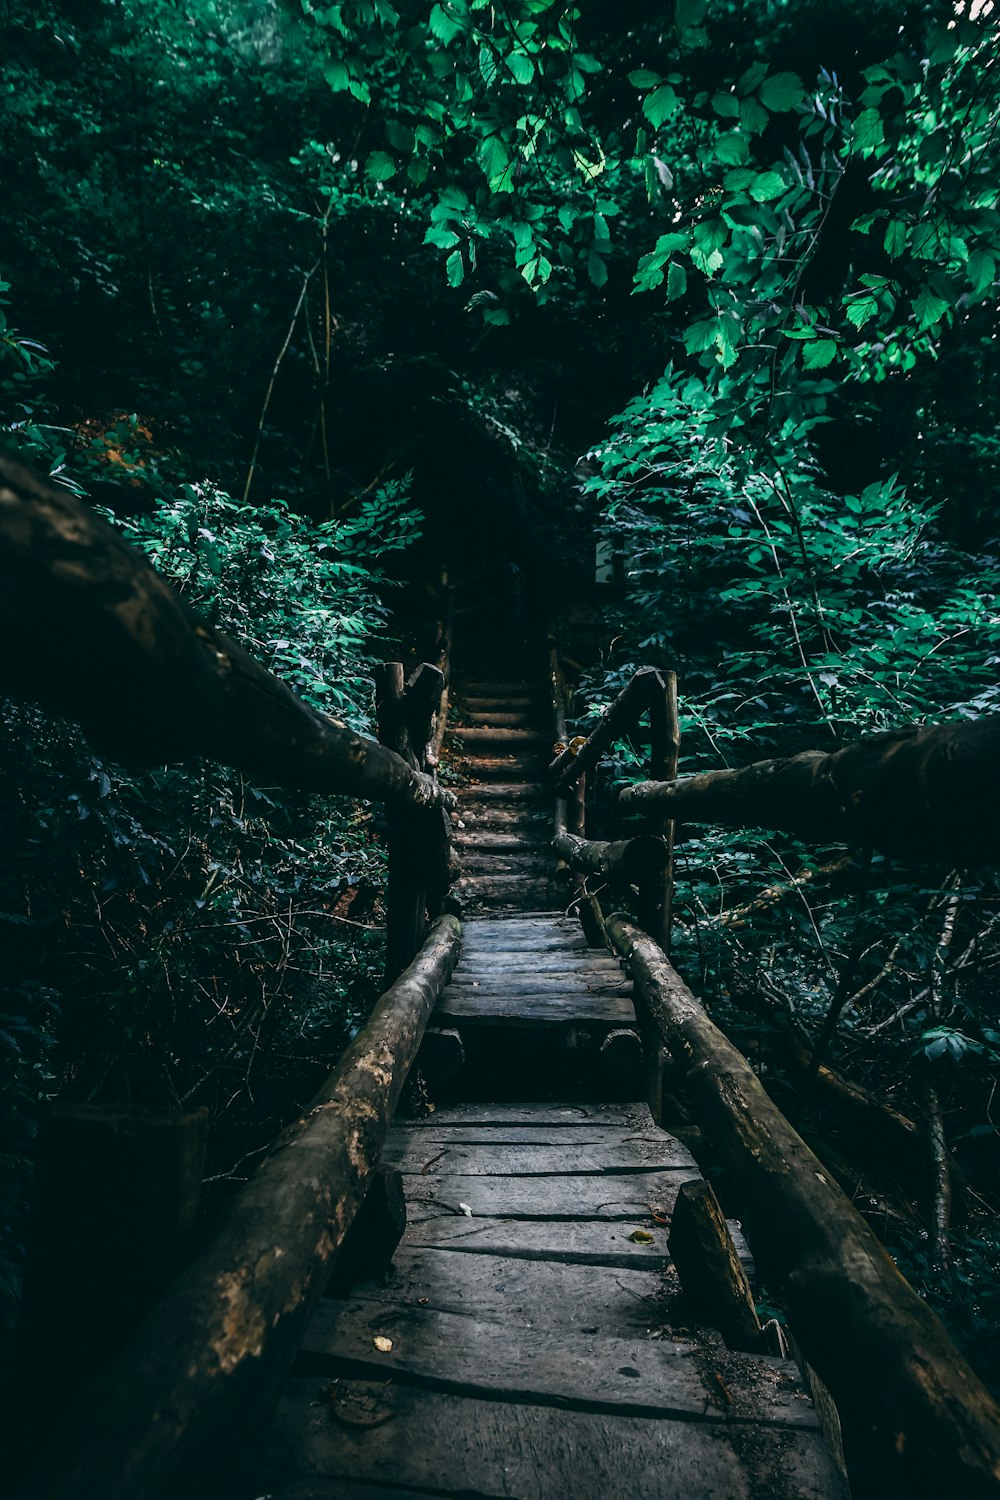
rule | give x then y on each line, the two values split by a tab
646	860
204	1369
102	638
916	1420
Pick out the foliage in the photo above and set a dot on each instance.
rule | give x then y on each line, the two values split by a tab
191	926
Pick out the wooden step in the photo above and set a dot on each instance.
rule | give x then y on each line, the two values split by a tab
501	719
508	841
494	687
493	862
506	768
509	704
559	1009
510	739
488	795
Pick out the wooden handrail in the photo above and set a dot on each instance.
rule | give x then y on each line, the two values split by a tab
618	719
207	1363
97	634
646	861
917	1421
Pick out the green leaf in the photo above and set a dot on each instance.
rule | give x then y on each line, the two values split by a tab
752	78
726	105
659	105
861	308
380	167
676	281
644	78
521	67
895	238
488	65
868	132
438	235
818	354
690	13
454	268
753	116
444	26
781	91
928	308
982	269
732	148
701	335
766	186
596	268
337	74
494	156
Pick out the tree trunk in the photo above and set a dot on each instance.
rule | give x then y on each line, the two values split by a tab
921	794
917	1421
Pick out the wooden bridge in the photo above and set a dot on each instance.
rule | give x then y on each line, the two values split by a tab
533	1339
528	1290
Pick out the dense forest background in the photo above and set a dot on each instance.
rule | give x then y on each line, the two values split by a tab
317	301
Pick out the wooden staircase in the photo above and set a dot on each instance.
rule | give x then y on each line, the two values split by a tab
532	1340
504	825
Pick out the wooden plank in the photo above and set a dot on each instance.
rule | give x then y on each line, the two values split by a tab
446	1352
485	980
414	1154
544	1010
521	863
501	718
583	1243
567	1197
478	701
549	955
516	964
431	1131
512	842
525	1293
498	791
632	1116
444	1444
512	739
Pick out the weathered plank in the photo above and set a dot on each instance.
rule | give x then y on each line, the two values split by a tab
543	1010
434	1159
516	963
584	1242
515	841
432	1132
501	718
653	1377
444	1444
567	1197
487	980
633	1116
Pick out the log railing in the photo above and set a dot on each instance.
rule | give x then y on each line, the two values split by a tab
646	860
916	1420
204	1369
98	635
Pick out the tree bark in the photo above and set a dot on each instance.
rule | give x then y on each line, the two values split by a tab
96	634
627	861
205	1367
917	1421
917	793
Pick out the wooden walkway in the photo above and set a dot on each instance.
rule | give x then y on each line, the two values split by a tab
532	1340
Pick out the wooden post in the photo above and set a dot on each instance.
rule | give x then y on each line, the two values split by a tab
655	893
712	1276
406	899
